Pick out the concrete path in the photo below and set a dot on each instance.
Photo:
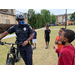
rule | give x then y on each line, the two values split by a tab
12	35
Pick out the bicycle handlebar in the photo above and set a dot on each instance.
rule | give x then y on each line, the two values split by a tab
2	43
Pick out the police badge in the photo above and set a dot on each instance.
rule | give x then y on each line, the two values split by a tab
24	29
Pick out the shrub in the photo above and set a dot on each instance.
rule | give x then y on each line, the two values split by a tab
74	22
4	27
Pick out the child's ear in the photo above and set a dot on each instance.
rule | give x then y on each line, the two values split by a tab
65	39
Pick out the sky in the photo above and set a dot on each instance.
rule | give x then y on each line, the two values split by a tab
54	11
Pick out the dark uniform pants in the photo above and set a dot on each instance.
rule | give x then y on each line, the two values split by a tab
26	54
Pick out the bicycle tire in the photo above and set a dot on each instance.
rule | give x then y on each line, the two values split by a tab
18	58
10	61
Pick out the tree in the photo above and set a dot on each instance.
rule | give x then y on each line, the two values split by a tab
40	19
74	22
30	13
46	14
31	17
72	16
53	18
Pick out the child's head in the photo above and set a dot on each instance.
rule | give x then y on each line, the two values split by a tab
60	31
47	26
67	36
33	28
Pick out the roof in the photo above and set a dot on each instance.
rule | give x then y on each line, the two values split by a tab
63	14
6	13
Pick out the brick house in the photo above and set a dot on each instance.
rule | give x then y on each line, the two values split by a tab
61	19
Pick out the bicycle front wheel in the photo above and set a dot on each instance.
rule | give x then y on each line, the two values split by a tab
10	61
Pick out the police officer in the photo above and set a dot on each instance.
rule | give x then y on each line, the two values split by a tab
24	34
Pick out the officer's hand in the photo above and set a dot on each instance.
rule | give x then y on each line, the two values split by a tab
25	43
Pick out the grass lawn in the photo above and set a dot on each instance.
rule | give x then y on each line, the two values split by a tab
41	56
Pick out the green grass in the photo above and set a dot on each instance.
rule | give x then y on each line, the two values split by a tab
41	56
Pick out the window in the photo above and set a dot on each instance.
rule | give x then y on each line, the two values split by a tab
63	20
7	21
11	11
59	18
63	16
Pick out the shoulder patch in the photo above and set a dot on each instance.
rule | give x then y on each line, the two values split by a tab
11	27
30	27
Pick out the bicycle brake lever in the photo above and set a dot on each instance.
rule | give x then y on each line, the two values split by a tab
2	43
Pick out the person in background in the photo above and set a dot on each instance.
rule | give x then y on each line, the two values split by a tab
47	36
57	40
34	40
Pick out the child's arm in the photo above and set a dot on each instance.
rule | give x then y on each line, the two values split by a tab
36	34
58	42
48	31
56	49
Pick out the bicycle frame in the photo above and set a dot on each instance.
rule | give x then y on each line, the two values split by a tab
13	52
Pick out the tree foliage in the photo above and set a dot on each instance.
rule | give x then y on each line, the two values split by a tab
53	18
39	20
72	16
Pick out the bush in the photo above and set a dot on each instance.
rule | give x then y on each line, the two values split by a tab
4	27
74	22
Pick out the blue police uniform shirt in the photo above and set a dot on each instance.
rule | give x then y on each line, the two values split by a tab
35	34
22	33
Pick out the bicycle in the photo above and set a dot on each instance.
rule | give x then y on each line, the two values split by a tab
14	54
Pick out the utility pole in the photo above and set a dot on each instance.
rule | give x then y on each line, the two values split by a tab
65	18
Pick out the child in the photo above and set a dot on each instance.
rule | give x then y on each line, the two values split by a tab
57	40
34	40
67	53
46	35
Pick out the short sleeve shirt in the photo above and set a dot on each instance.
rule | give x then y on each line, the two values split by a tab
35	35
22	33
60	46
47	33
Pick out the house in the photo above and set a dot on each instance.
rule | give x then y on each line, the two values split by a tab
7	16
61	19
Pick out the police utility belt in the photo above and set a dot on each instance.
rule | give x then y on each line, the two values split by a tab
21	42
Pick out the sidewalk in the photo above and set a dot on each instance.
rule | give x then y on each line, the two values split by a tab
12	35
